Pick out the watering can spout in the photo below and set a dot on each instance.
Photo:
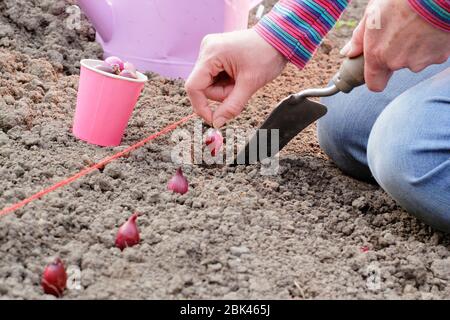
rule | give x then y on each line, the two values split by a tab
100	14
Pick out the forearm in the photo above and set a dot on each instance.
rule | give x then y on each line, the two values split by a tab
436	12
297	27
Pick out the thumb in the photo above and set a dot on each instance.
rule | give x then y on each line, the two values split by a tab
233	105
355	47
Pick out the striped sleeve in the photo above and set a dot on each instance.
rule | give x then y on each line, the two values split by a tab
296	27
437	12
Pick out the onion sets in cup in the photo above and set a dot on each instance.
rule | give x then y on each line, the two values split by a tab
115	65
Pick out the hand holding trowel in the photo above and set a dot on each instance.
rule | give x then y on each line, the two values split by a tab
296	112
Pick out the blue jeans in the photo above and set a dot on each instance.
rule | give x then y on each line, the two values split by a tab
400	138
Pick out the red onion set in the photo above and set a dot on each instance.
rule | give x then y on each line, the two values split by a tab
54	278
115	65
128	234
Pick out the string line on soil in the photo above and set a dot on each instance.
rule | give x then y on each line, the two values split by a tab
98	165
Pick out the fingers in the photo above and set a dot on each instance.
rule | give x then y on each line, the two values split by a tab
197	95
196	86
218	92
201	106
376	70
200	88
376	76
223	60
355	47
233	104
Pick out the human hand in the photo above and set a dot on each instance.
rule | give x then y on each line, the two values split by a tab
231	67
405	40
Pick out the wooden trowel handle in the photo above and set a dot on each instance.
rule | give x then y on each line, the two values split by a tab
350	75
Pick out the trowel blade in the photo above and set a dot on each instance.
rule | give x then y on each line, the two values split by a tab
288	119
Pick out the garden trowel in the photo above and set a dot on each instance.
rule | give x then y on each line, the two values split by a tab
297	112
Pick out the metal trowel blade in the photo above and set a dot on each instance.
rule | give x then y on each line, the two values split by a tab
288	119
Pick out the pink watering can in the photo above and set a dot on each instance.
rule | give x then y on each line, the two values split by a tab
163	36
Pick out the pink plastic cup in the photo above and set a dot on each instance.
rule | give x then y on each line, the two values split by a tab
104	104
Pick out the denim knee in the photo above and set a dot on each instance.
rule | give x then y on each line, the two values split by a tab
408	155
343	133
342	137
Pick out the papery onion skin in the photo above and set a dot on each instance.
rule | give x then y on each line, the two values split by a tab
214	141
105	67
178	183
128	234
54	278
128	74
116	63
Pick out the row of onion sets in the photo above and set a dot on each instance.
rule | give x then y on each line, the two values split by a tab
54	277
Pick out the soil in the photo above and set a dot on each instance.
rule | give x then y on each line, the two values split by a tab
44	29
307	232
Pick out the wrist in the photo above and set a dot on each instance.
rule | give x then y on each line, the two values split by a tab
271	51
296	29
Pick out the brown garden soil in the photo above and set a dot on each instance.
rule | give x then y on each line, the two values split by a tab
307	232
